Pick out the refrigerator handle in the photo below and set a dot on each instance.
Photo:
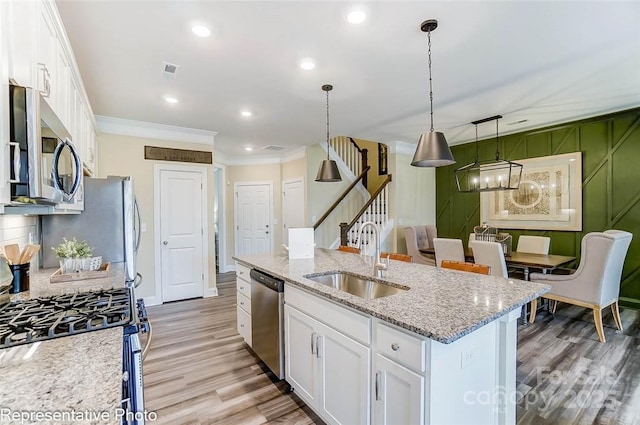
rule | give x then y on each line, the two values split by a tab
139	227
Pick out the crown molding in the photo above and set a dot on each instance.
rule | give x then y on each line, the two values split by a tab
404	148
151	130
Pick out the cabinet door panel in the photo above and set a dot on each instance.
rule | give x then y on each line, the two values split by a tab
398	394
345	366
300	362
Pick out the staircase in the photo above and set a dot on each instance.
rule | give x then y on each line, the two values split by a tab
376	211
354	160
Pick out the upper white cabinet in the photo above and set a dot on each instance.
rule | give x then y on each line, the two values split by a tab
36	53
4	96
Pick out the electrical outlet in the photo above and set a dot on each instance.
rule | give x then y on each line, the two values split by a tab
467	357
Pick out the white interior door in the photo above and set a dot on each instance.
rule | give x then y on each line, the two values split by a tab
181	230
292	206
253	212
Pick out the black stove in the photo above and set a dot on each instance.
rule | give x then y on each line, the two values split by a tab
24	322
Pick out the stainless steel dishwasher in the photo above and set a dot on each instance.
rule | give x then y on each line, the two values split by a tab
267	320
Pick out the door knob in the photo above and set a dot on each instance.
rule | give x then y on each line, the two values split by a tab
165	242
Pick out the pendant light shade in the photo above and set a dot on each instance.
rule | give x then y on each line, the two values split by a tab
328	171
433	149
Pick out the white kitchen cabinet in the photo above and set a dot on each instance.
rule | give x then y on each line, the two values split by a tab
398	394
22	44
243	309
326	368
398	373
5	195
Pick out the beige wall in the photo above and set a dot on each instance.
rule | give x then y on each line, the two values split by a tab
252	173
413	195
320	196
374	180
124	156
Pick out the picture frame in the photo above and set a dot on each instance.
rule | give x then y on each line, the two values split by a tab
549	196
383	151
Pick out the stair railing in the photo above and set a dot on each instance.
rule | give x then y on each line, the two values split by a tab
353	184
353	156
375	209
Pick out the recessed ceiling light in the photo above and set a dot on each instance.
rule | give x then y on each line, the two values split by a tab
307	64
246	113
356	17
248	148
201	31
170	99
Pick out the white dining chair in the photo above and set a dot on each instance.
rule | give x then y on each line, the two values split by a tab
448	249
533	244
490	254
596	282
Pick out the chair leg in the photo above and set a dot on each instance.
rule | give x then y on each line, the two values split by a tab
534	308
597	318
554	306
616	315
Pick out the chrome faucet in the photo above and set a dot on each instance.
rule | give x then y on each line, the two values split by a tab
378	266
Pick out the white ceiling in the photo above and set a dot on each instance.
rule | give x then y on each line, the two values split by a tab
544	62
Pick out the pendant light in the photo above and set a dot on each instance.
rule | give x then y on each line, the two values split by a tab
328	171
490	175
433	149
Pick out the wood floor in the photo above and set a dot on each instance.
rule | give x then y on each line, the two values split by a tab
199	371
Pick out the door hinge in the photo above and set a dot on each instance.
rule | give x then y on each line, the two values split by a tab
203	276
201	186
202	232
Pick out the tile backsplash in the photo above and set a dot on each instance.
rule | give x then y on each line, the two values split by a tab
16	229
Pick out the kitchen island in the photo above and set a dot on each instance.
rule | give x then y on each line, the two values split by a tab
77	375
443	351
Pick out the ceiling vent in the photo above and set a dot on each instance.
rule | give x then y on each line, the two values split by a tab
170	69
275	147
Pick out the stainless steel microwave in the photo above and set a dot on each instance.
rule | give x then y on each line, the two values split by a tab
45	167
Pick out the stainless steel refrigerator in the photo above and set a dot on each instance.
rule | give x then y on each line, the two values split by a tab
110	223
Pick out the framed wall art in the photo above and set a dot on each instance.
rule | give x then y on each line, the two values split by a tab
549	196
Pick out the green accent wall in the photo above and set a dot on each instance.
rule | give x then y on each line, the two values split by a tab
610	147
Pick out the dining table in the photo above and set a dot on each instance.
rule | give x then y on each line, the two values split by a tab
522	260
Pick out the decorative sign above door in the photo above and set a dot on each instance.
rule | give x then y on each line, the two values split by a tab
178	155
549	196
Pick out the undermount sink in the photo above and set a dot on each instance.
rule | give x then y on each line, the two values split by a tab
356	285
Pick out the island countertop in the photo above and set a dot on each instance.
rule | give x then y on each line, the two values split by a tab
78	374
440	304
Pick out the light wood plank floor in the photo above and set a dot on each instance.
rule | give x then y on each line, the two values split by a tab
199	371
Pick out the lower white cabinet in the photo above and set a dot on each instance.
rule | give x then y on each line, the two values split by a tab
327	369
243	309
398	394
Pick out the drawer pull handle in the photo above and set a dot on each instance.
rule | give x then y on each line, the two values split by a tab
395	347
241	302
378	385
241	325
313	340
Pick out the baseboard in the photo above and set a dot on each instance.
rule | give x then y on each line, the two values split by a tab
629	303
210	292
151	301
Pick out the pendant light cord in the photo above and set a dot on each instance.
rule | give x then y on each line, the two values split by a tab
497	149
327	124
477	149
430	80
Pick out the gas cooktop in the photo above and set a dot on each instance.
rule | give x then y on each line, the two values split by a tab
24	322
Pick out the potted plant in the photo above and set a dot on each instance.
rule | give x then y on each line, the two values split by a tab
72	254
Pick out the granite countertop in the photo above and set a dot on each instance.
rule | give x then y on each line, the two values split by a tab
79	373
40	285
440	304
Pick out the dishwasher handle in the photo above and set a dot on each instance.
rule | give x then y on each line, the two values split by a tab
270	282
